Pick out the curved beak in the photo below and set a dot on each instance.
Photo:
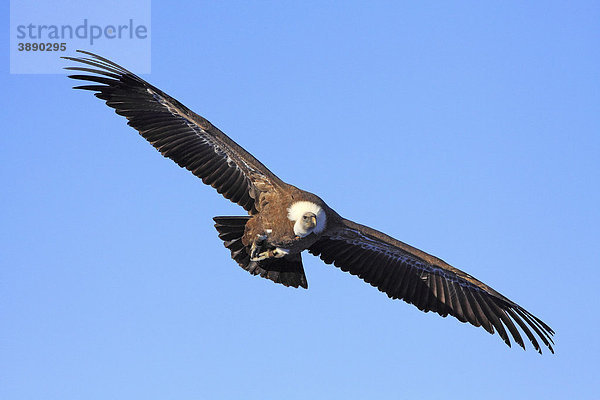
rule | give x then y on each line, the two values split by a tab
313	221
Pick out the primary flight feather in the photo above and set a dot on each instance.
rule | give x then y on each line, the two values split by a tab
283	220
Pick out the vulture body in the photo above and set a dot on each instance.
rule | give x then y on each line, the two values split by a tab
283	220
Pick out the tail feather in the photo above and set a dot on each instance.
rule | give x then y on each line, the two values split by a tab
287	270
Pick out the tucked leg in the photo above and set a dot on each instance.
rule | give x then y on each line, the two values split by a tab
256	253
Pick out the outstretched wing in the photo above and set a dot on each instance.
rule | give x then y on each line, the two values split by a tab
177	132
406	273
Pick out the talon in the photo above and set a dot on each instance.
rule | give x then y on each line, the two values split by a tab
261	256
279	252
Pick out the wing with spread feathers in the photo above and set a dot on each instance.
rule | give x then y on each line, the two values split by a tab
176	131
404	272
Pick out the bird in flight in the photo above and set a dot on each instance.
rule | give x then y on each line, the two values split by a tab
284	220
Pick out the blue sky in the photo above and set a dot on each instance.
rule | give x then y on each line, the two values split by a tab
470	130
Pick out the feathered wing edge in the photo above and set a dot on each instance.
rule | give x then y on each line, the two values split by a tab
404	272
176	131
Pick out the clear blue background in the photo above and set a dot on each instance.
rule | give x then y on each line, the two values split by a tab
470	130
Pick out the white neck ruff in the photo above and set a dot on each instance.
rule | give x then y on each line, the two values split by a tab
298	209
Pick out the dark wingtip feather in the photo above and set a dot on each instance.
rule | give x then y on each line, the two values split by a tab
95	88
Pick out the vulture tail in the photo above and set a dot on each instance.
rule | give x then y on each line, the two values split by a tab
287	270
